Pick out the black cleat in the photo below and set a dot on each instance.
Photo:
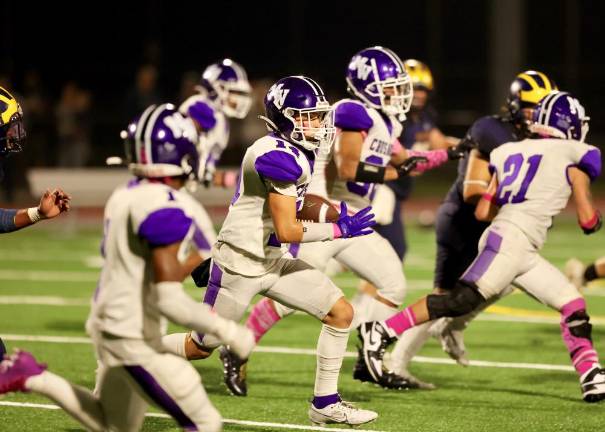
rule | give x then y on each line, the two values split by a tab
234	370
593	385
374	340
388	380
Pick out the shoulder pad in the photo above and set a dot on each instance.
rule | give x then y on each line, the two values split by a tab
199	110
279	166
351	115
165	226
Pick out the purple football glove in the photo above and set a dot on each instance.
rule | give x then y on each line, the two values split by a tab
356	225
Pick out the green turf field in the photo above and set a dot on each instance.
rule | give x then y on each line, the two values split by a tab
47	277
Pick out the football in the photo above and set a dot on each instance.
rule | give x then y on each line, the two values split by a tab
317	209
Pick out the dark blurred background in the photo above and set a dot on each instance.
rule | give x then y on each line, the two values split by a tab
81	71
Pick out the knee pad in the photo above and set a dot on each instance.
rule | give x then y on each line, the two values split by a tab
579	325
463	299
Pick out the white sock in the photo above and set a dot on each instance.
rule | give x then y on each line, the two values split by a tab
175	344
407	347
331	348
77	401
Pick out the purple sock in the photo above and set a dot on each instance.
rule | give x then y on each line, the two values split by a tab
323	401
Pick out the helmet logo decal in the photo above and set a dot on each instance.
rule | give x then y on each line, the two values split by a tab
359	63
180	126
278	94
212	72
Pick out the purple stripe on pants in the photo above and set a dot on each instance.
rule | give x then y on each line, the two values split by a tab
293	249
214	285
485	258
159	396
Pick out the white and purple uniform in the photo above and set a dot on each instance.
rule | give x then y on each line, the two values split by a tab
247	258
380	134
371	257
125	322
533	188
213	142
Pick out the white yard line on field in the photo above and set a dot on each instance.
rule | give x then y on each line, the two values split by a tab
43	301
49	276
311	352
225	421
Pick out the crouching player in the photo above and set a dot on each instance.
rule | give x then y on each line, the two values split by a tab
250	258
148	232
531	183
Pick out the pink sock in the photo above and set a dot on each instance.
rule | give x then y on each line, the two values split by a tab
401	321
262	318
581	350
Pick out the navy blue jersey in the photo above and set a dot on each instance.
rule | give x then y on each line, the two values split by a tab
488	132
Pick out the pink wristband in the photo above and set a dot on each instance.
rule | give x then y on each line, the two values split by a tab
435	158
489	197
337	231
590	223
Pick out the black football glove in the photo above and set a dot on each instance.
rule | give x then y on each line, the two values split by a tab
410	164
460	150
201	274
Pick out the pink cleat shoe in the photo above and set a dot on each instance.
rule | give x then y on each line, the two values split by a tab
16	369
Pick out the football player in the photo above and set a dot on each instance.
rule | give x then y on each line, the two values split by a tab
366	154
12	138
532	181
223	93
250	257
419	131
148	231
457	230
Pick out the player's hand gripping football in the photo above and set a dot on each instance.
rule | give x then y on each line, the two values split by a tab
357	225
458	151
54	203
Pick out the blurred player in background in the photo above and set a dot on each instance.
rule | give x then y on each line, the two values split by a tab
12	138
250	257
366	153
223	92
420	132
457	229
532	181
148	233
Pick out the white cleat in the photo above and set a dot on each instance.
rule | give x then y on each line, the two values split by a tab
593	384
574	271
342	413
452	340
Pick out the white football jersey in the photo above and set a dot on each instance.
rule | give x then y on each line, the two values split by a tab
212	142
379	131
533	185
247	243
138	216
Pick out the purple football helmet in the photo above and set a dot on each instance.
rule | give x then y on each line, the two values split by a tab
161	142
377	76
226	82
296	109
560	115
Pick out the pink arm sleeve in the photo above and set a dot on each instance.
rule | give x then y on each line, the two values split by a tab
397	147
435	159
